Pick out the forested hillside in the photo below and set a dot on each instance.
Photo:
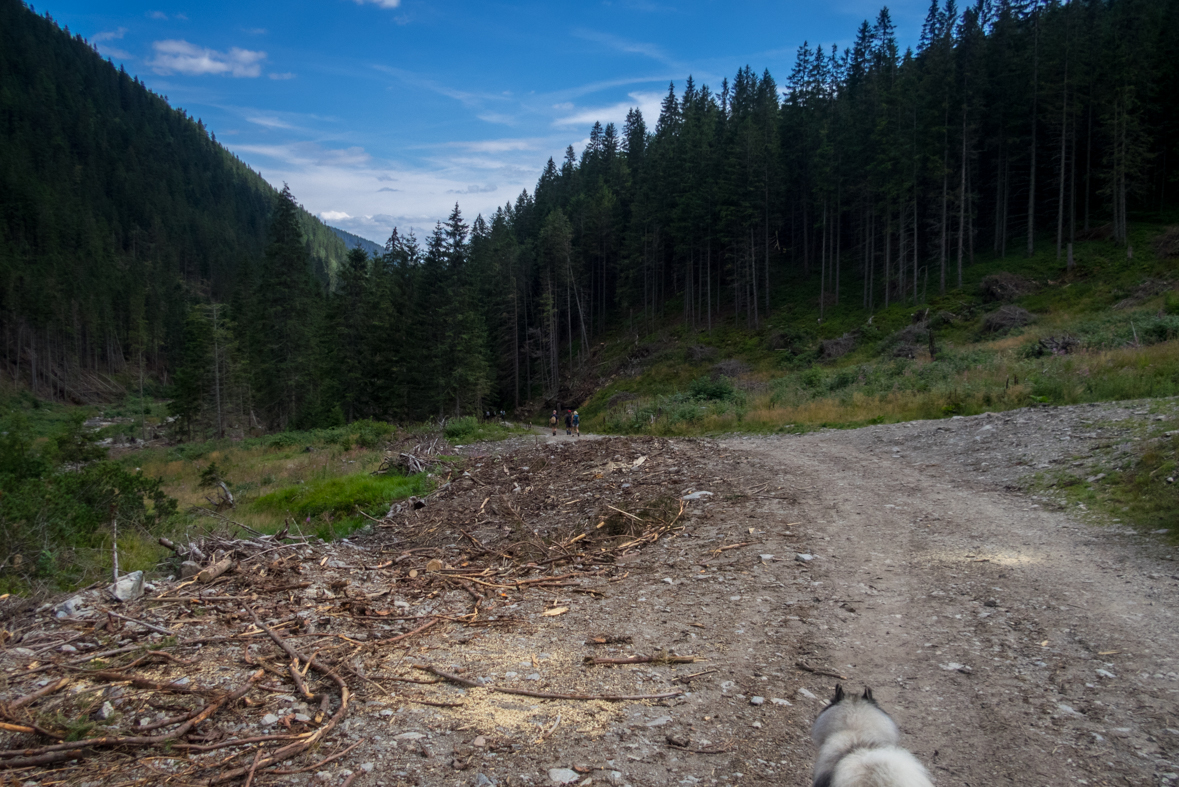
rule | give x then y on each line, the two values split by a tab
357	242
869	177
115	211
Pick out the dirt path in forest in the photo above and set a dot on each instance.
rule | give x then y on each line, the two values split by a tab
1013	642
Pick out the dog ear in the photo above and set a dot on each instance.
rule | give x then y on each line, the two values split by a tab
868	695
838	694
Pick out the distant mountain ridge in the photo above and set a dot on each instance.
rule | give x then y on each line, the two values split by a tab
116	211
357	242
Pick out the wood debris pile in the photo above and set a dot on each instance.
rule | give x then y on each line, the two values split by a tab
250	666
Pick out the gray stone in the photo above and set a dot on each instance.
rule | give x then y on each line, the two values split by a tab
757	700
189	569
698	496
807	694
409	736
129	587
779	701
106	711
803	557
532	676
658	722
269	719
303	717
1106	673
68	649
69	607
484	781
563	776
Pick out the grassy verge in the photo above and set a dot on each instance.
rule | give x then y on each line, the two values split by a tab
1136	484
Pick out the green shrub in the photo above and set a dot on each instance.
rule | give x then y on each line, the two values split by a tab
50	515
706	389
460	428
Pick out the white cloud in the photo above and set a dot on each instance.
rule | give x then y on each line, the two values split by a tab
176	56
284	75
351	188
474	189
497	145
109	35
497	117
268	122
380	3
101	42
648	103
157	15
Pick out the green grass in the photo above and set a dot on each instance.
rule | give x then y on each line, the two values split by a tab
1140	489
329	505
470	429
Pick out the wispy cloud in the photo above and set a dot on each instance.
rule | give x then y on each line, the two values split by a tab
417	80
109	35
352	189
283	75
497	117
181	57
101	42
474	189
156	15
497	145
381	3
619	44
268	122
647	103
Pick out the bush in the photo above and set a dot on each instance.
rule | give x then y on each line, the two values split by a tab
51	514
706	389
460	428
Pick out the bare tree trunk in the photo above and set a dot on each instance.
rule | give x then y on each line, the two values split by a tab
1032	173
945	203
1063	162
515	343
823	265
962	202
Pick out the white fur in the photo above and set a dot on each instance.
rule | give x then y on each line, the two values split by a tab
857	748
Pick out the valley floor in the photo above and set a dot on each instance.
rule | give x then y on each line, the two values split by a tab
1012	641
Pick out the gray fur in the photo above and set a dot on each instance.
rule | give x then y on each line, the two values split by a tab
858	747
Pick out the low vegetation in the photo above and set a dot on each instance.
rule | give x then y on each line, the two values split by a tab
64	499
1101	331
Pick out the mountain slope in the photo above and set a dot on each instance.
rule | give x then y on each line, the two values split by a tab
113	206
357	242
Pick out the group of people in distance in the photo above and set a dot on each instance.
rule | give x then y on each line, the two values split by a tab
572	423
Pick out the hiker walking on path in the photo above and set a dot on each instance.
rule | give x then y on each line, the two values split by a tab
568	422
553	422
576	424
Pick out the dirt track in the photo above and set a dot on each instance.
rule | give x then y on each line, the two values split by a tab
1013	643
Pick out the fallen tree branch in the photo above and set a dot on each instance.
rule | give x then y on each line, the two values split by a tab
802	665
544	695
59	752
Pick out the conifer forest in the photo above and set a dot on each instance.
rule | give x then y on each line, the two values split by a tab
130	240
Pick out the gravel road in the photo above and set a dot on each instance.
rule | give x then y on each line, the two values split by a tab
1015	640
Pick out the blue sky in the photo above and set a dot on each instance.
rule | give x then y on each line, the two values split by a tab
383	113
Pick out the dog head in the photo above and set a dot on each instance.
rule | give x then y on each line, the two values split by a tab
858	716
